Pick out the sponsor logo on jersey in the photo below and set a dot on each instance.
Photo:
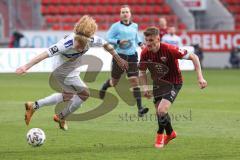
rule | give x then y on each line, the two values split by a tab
91	39
164	59
98	42
182	51
126	45
53	50
68	43
173	93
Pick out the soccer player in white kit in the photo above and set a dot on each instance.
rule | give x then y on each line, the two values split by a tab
69	51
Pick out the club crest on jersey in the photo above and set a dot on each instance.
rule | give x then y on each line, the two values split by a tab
68	43
54	50
182	51
163	59
159	68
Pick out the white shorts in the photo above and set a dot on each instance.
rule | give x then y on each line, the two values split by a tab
67	84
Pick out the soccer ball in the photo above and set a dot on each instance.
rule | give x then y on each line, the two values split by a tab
35	137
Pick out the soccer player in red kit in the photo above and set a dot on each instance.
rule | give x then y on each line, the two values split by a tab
161	60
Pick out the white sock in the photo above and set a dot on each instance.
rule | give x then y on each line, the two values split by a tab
50	100
73	105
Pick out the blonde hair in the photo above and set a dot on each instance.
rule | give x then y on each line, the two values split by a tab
84	30
86	26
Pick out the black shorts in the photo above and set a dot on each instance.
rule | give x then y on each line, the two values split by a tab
166	92
132	66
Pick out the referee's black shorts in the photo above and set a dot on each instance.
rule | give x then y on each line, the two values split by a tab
132	66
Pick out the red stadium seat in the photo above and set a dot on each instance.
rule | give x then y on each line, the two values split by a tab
85	1
166	9
101	2
237	27
109	9
73	9
56	27
67	27
137	19
46	2
53	9
143	26
123	2
182	26
103	26
81	9
54	1
148	9
52	19
232	2
137	9
63	9
150	1
157	9
237	18
75	1
141	2
62	14
64	2
113	2
146	19
68	19
44	10
115	18
91	9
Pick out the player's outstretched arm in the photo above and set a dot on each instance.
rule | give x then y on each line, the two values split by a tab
121	62
23	69
201	81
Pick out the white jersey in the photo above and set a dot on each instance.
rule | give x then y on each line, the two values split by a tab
172	39
66	54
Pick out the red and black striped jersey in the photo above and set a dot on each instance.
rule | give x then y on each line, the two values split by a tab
163	65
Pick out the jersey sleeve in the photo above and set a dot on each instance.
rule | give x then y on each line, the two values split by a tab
138	39
56	48
178	53
143	61
97	41
112	34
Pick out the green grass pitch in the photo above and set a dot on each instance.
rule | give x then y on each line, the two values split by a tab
207	122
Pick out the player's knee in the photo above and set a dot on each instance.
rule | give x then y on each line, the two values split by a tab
67	96
161	113
133	81
161	110
113	83
84	95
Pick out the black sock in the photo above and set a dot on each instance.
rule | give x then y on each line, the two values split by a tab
137	95
162	122
36	106
106	84
168	126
